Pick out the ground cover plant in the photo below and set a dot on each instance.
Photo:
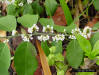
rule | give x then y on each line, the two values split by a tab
49	37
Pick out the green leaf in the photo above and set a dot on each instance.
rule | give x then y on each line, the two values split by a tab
61	28
96	4
11	10
69	28
94	38
74	54
85	73
28	20
95	50
4	59
25	60
58	46
67	12
50	6
84	44
8	23
27	9
46	21
96	26
45	48
37	8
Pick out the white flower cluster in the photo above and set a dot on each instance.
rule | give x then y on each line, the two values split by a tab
26	37
30	30
33	28
9	2
86	32
20	4
43	37
58	37
48	29
29	1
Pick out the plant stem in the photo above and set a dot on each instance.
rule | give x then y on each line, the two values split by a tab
34	34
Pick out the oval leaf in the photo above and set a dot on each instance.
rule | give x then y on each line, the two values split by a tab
28	20
8	23
25	60
74	54
11	10
4	59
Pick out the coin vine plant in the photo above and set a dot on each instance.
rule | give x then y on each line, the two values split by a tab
82	44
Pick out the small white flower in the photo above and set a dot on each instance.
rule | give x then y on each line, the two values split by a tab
72	37
44	29
26	38
20	4
64	30
10	2
62	37
53	38
84	35
48	29
6	41
76	30
29	1
43	37
40	38
87	31
58	37
33	28
14	32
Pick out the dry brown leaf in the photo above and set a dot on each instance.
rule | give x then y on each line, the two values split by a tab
43	59
59	18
